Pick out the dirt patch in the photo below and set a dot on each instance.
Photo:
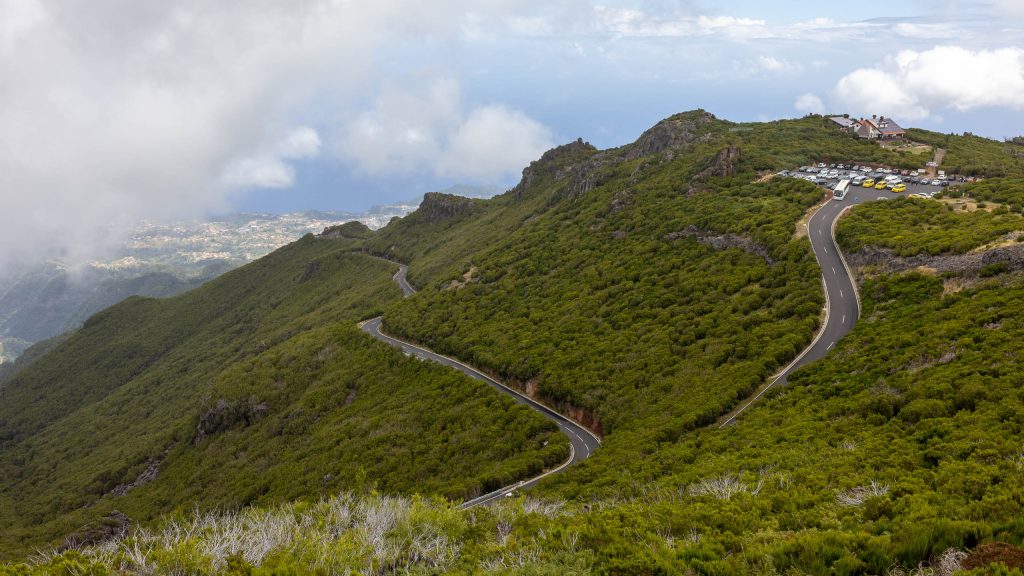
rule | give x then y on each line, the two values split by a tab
995	552
968	204
466	279
764	177
1008	240
958	284
906	146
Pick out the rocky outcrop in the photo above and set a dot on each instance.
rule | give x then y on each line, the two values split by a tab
723	241
226	414
353	229
111	526
884	261
559	163
672	134
145	477
620	200
438	206
723	164
580	167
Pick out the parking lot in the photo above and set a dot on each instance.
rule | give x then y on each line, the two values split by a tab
828	176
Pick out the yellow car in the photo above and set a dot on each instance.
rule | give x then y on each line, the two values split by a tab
881	185
899	188
868	183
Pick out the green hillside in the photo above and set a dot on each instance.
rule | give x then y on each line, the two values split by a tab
644	290
904	444
255	388
971	155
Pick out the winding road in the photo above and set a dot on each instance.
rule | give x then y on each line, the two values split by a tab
842	302
582	442
842	308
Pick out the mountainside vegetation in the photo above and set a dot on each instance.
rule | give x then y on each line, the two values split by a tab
910	226
643	290
255	388
971	155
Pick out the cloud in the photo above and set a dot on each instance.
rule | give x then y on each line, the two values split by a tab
870	90
915	85
493	142
737	28
809	104
775	65
267	168
301	142
259	172
115	111
926	31
407	132
1013	8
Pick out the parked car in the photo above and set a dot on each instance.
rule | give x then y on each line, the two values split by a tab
899	188
881	185
868	183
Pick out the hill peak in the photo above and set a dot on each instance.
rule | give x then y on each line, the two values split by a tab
675	132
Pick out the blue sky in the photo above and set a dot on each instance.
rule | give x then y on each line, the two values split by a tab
113	110
608	78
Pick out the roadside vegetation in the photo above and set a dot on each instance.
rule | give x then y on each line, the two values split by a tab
1007	192
909	227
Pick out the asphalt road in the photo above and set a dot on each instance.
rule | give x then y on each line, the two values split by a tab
842	302
583	442
399	277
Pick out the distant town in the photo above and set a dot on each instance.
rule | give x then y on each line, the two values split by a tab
233	238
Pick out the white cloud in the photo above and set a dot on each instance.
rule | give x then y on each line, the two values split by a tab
926	30
778	65
259	172
493	142
732	27
809	104
429	132
267	168
114	111
914	85
869	90
301	142
1010	7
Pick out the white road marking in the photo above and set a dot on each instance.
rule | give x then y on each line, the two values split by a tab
830	346
844	318
840	292
833	269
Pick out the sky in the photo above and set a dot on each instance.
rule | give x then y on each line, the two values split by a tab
113	111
